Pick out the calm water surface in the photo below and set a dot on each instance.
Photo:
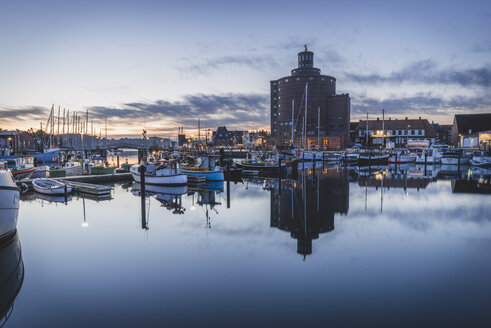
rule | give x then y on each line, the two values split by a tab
333	248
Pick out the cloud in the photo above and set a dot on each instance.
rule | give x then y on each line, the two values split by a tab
482	47
24	113
216	63
241	111
427	72
420	103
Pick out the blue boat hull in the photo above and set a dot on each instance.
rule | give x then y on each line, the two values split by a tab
210	175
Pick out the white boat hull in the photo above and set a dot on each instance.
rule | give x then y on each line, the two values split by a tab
455	160
56	187
164	180
9	203
41	172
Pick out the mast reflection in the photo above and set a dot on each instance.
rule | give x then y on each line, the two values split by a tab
306	207
206	197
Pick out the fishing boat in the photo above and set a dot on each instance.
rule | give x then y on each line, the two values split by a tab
455	157
9	201
268	167
401	157
429	156
205	167
350	157
481	158
69	168
166	173
367	159
51	187
99	166
22	173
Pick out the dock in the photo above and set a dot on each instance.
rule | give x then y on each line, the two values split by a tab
92	189
90	184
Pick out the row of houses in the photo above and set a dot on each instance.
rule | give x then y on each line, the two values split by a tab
468	131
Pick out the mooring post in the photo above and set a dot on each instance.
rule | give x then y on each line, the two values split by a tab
66	194
279	175
117	158
142	194
228	184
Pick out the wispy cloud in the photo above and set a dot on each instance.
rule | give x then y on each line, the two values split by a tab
244	111
421	104
427	72
212	64
23	113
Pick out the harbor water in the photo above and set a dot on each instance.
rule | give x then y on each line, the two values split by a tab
335	247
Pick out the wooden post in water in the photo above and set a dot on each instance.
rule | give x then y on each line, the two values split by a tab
142	194
117	158
66	194
228	184
279	174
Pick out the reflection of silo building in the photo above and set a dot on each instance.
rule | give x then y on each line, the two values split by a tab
317	201
325	109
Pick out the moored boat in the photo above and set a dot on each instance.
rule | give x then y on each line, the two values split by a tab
50	187
455	157
165	174
206	168
481	158
9	202
367	159
263	168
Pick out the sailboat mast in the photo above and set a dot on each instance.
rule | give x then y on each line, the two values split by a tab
366	133
318	127
305	116
383	129
293	113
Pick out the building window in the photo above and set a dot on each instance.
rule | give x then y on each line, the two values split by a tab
322	79
286	80
311	78
298	79
412	132
274	83
419	132
274	91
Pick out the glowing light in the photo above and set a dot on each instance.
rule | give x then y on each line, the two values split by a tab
85	224
193	208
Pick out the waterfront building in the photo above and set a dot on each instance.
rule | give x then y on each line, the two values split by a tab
471	130
327	115
397	131
221	137
443	133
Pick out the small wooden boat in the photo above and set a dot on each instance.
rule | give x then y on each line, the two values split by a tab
51	187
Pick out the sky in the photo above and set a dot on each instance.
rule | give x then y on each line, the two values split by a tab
162	64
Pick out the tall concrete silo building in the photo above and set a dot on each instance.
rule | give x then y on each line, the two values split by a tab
308	94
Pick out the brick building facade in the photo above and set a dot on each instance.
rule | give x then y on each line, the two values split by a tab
328	113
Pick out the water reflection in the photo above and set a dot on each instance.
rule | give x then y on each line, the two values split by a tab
11	276
206	197
306	207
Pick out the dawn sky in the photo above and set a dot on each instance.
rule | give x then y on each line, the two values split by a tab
164	64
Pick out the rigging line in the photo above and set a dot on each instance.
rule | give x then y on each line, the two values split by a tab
299	111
